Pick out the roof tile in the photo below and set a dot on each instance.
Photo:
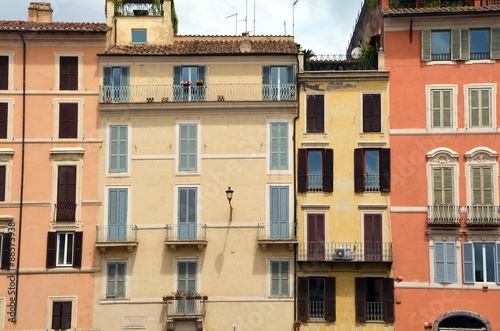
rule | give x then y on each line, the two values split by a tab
26	26
440	10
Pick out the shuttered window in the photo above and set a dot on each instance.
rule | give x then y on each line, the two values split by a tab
279	146
3	181
61	315
4	72
372	113
4	117
316	299
278	83
280	278
279	213
139	36
480	108
442	182
372	170
315	170
64	249
116	280
482	186
481	262
5	241
445	262
68	73
315	114
441	104
188	147
117	214
374	299
68	120
118	148
192	74
66	194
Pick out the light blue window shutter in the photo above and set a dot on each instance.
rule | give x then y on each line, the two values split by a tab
120	280
177	75
426	45
118	148
285	275
468	261
283	146
456	39
465	47
111	286
275	278
451	263
439	262
188	147
107	76
279	146
497	262
495	43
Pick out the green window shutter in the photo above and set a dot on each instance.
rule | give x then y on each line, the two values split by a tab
188	147
487	174
437	182
480	107
485	107
439	262
456	44
436	108
468	261
474	108
495	43
451	263
447	109
465	46
426	45
111	283
118	148
280	278
476	186
448	186
279	146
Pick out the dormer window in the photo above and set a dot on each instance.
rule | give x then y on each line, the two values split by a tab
139	36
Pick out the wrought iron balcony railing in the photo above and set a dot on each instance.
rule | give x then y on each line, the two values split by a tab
443	215
185	307
374	311
345	252
193	93
276	231
65	212
336	62
317	310
186	232
372	183
116	233
314	183
483	215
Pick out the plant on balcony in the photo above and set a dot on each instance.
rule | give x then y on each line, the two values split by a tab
199	82
186	83
184	295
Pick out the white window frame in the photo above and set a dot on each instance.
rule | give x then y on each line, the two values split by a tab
177	149
105	279
481	156
493	102
442	157
10	113
56	112
74	308
129	150
6	155
289	169
290	277
10	83
65	263
57	58
454	115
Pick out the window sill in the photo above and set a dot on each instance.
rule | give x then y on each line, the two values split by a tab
482	61
118	174
434	63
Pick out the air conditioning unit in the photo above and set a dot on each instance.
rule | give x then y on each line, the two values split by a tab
343	254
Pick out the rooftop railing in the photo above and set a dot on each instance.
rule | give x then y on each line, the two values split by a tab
437	3
337	62
140	8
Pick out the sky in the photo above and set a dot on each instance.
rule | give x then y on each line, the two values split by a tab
323	26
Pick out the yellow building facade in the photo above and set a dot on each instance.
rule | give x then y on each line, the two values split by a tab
344	256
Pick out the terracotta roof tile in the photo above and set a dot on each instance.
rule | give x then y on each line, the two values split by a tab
26	26
440	10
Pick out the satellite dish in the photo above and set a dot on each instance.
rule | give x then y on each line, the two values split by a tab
356	53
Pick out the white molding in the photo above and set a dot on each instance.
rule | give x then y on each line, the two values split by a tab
234	156
10	82
408	209
481	156
104	288
10	117
315	206
442	157
442	132
152	157
372	206
372	144
315	144
291	283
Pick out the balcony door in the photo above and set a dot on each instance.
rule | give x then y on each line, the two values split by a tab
315	237
117	214
187	222
373	237
117	81
280	228
184	91
277	83
66	194
186	281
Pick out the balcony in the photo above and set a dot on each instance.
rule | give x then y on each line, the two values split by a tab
140	8
186	235
206	93
438	3
374	311
65	212
443	215
345	252
276	234
116	236
341	63
483	215
186	310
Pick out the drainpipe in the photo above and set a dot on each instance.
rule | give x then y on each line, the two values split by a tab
21	195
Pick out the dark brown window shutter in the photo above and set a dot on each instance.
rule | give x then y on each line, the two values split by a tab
5	251
56	315
68	120
360	293
4	111
4	72
3	174
385	170
359	169
330	313
77	251
68	73
371	113
315	121
66	315
328	172
66	194
51	249
389	300
302	302
302	170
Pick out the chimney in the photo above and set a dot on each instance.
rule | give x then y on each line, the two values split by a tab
40	12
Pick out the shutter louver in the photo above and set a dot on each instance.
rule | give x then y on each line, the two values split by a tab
275	278
359	183
448	186
330	311
111	281
495	43
439	262
456	40
487	186
474	107
476	187
426	45
328	173
302	299
5	263
68	73
372	113
485	107
56	315
436	108
121	272
3	179
438	185
315	120
4	111
385	170
465	45
78	246
302	170
66	315
468	261
451	261
4	72
360	293
447	109
51	249
68	120
389	300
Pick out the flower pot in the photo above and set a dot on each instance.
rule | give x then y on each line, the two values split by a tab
199	84
164	99
150	99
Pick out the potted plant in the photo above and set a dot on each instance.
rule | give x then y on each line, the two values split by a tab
186	83
199	82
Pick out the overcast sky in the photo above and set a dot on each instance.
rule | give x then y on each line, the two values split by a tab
323	26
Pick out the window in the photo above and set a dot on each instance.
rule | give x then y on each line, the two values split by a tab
372	113
280	278
188	147
187	281
3	182
278	83
4	72
482	186
4	117
316	299
116	84
480	107
115	287
440	45
479	44
66	194
68	120
315	114
5	244
372	170
279	212
374	249
191	92
187	213
479	259
117	214
315	237
445	262
61	315
442	108
68	73
279	146
139	36
118	148
442	186
315	170
374	299
64	249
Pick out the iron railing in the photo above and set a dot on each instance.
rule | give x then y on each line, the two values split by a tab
186	232
116	233
139	8
193	93
336	62
276	231
374	311
315	183
183	306
65	212
345	252
317	310
483	215
443	215
372	183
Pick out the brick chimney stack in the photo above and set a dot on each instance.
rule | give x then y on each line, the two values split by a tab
40	12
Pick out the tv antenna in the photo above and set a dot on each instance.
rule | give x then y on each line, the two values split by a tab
235	22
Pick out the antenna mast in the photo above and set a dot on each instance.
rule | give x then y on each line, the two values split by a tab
236	33
254	33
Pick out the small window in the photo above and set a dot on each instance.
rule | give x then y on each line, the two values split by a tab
66	194
372	113
280	278
315	114
374	299
64	249
118	148
68	73
4	117
315	170
372	170
279	146
480	107
5	244
4	72
139	36
68	120
116	285
440	46
61	315
479	44
188	147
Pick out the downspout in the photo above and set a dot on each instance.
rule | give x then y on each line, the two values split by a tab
21	195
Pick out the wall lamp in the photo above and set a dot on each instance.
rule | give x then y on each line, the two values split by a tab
229	195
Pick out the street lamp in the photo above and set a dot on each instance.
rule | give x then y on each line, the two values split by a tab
229	195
